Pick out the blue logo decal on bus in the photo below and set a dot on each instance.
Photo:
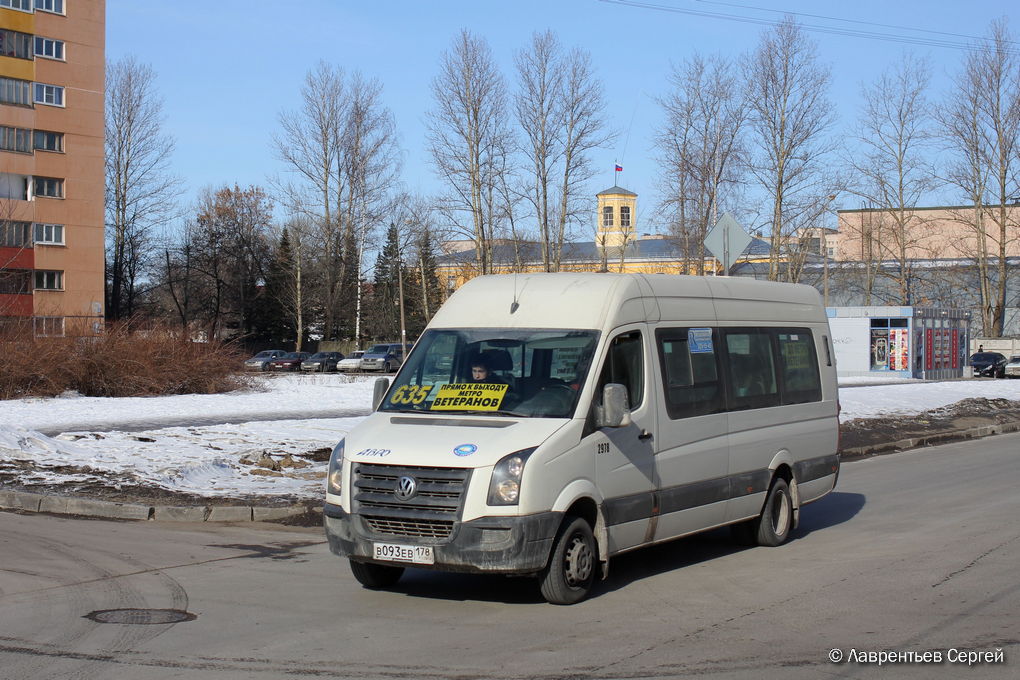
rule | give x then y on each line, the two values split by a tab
464	450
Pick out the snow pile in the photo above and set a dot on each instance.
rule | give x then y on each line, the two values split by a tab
916	397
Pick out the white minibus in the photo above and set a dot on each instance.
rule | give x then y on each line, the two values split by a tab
544	423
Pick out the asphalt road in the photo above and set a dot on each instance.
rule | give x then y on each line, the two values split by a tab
914	553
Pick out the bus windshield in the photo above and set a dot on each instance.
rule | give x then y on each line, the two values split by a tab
495	372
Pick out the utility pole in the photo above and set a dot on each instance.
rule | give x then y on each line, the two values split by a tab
400	294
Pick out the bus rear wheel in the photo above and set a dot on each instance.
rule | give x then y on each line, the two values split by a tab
777	517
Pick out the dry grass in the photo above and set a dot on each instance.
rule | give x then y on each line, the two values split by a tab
117	364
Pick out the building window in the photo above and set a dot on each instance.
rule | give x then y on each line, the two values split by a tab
625	216
46	47
14	186
52	95
14	91
48	187
15	282
52	234
48	141
15	234
23	5
15	139
607	216
52	326
45	280
15	44
55	6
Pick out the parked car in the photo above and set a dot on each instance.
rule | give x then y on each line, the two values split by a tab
1012	369
351	363
322	362
288	362
260	362
386	357
990	364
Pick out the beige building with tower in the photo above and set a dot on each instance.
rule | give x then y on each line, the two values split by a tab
616	209
52	71
618	245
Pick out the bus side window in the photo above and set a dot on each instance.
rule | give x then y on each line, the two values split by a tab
690	379
751	368
799	364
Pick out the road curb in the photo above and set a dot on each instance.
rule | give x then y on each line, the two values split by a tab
74	506
930	440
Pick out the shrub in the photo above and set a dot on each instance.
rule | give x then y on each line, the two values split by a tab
119	363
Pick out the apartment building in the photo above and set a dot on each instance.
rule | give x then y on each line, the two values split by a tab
52	72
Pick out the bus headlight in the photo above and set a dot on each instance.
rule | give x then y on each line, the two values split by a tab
505	485
335	474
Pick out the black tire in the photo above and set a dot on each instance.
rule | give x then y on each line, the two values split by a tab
376	575
776	518
568	577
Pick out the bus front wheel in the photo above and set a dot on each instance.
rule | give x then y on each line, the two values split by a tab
571	570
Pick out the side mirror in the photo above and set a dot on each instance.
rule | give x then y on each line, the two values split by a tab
379	391
614	411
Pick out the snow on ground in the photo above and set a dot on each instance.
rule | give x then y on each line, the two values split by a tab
917	396
276	397
155	441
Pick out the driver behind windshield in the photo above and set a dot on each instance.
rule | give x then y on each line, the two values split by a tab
480	372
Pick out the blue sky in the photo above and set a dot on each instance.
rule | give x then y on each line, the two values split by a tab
226	70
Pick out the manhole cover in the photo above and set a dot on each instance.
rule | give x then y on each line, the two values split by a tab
141	617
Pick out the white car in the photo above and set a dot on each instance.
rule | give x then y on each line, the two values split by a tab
1012	369
351	363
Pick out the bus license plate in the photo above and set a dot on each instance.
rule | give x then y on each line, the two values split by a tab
413	554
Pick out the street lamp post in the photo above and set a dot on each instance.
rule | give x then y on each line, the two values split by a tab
825	256
825	276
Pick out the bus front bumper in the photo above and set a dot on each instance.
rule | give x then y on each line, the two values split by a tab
492	545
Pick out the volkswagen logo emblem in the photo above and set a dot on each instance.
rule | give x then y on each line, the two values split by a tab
406	489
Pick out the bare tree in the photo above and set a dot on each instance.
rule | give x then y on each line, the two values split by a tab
140	191
891	166
340	148
370	167
230	242
468	138
789	115
981	122
310	145
560	107
699	148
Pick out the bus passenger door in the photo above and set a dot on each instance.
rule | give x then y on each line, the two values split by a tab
693	457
